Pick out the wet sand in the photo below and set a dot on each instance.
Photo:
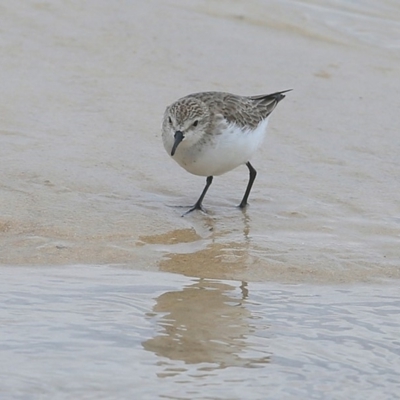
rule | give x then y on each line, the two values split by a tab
107	292
85	178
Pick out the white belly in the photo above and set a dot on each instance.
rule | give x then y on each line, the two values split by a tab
223	152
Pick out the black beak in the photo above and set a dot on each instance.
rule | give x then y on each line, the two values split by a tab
178	138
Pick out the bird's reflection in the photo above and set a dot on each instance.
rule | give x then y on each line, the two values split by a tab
206	322
226	254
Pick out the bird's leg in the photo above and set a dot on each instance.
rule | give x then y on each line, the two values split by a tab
198	206
253	174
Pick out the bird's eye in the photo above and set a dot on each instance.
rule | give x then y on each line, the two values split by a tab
170	120
195	123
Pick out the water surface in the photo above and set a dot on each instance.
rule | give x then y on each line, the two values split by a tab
107	332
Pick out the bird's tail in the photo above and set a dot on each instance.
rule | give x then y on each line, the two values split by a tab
268	102
276	97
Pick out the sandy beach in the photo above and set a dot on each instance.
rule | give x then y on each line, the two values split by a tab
107	292
85	178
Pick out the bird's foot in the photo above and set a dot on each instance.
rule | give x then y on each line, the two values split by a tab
195	207
243	205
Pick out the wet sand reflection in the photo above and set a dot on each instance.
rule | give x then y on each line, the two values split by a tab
206	322
205	251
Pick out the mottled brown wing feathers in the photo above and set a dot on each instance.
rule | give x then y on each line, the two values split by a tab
246	111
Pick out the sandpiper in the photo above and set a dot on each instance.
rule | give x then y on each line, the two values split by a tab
211	133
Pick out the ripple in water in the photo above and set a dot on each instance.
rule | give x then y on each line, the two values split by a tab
102	332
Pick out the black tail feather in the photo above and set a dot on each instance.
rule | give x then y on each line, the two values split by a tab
277	96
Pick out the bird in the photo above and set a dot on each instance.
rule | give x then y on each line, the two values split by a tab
211	133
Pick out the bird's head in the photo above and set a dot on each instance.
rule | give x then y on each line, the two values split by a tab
185	122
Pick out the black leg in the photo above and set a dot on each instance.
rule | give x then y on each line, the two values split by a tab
253	174
198	206
244	290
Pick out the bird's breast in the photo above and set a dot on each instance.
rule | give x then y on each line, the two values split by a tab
222	151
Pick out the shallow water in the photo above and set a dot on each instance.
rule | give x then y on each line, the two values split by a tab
85	181
103	332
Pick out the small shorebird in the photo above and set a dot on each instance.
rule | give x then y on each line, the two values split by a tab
211	133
